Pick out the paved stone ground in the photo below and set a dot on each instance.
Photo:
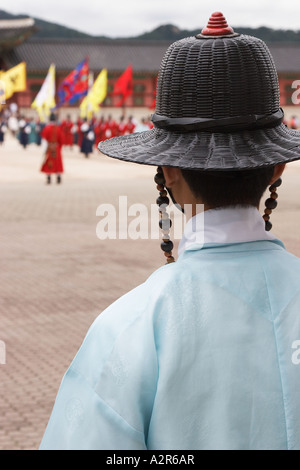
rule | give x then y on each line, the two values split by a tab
56	276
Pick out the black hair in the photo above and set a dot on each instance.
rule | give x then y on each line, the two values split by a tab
229	188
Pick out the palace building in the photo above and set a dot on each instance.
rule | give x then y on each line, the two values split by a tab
18	44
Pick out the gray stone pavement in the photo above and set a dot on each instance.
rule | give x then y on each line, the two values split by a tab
56	275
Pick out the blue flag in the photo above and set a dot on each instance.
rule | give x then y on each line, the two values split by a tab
75	85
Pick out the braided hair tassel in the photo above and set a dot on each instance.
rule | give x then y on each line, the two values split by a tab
271	203
165	222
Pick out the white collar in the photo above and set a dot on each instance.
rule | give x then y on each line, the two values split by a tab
224	225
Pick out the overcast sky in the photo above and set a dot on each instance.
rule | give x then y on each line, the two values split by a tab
121	18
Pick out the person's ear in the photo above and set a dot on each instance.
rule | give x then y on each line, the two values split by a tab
278	170
172	176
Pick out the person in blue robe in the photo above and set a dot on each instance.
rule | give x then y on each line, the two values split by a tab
24	132
32	136
204	355
88	138
3	129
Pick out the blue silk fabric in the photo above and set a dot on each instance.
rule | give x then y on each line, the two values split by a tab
200	356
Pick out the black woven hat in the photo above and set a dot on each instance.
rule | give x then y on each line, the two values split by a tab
218	107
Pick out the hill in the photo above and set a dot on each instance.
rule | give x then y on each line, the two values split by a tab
269	35
46	29
167	32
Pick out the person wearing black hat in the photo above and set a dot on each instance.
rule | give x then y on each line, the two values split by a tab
204	354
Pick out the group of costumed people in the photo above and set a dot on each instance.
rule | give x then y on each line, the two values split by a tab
85	133
29	130
26	130
205	353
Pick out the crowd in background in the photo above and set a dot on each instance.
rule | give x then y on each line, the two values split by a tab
83	133
292	123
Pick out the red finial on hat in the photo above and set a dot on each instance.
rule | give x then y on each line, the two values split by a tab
217	26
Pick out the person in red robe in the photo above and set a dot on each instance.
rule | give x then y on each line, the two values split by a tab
111	128
122	126
53	163
130	125
99	130
66	127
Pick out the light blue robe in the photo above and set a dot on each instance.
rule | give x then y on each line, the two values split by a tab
204	355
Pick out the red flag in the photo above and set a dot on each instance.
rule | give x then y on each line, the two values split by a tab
153	104
124	85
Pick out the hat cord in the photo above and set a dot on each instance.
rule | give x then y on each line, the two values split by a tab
165	222
271	203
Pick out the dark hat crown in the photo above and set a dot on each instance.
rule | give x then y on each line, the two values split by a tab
217	76
217	107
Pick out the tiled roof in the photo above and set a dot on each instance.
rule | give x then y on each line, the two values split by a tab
66	54
286	57
116	55
22	23
14	32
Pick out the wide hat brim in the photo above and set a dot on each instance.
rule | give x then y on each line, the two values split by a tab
208	151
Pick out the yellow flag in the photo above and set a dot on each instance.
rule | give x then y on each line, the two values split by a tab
95	96
45	99
14	79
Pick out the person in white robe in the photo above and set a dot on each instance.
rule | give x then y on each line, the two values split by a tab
206	353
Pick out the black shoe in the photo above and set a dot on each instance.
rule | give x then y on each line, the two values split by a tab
48	179
58	179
